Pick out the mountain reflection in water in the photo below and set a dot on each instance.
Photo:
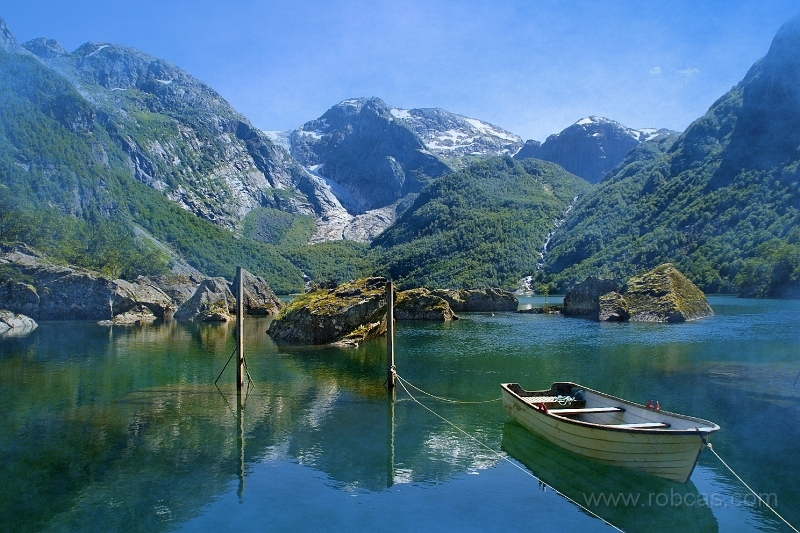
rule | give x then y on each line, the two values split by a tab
123	429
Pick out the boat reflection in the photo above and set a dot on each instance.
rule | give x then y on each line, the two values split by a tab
629	500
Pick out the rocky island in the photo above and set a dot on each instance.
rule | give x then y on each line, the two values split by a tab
356	311
663	294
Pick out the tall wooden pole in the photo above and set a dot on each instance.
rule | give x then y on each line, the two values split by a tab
239	330
390	370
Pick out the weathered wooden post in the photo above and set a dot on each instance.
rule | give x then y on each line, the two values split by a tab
239	330
390	370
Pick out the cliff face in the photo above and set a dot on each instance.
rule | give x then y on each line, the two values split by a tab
31	285
143	116
584	298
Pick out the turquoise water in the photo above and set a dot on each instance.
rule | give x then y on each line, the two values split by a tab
118	429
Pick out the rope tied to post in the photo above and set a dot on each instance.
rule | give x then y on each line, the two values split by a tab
499	454
441	399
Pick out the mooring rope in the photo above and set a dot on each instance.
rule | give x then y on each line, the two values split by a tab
708	445
502	455
448	400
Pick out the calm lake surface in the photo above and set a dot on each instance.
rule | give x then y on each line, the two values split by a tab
122	429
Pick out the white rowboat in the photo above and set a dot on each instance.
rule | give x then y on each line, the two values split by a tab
611	430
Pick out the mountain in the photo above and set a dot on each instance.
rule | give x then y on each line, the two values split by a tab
486	223
107	148
7	40
591	147
373	159
108	133
180	136
722	202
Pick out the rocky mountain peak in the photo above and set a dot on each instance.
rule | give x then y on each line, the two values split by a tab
451	136
754	125
590	147
359	146
45	48
369	159
7	40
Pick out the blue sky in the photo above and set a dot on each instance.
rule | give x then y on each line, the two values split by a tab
532	67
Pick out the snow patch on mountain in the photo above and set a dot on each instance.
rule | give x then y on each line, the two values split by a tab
450	136
280	138
640	135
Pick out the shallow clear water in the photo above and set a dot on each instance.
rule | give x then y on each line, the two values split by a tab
119	429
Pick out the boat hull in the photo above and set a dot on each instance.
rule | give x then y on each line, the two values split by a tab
666	453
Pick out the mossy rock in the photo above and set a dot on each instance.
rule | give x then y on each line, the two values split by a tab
421	304
663	294
348	314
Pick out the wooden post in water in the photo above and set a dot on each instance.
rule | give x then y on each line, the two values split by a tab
239	330
390	336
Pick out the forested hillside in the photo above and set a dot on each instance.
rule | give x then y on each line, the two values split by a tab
483	226
722	202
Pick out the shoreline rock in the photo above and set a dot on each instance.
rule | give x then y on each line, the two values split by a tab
15	325
34	286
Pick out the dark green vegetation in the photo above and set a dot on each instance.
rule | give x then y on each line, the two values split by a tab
107	245
482	226
722	203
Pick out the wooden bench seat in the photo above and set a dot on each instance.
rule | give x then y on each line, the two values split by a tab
586	410
644	425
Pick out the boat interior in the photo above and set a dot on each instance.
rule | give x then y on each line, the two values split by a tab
573	402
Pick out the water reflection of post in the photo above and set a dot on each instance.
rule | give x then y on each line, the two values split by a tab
240	441
240	398
390	455
390	369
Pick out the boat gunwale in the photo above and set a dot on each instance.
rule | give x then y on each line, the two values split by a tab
707	429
